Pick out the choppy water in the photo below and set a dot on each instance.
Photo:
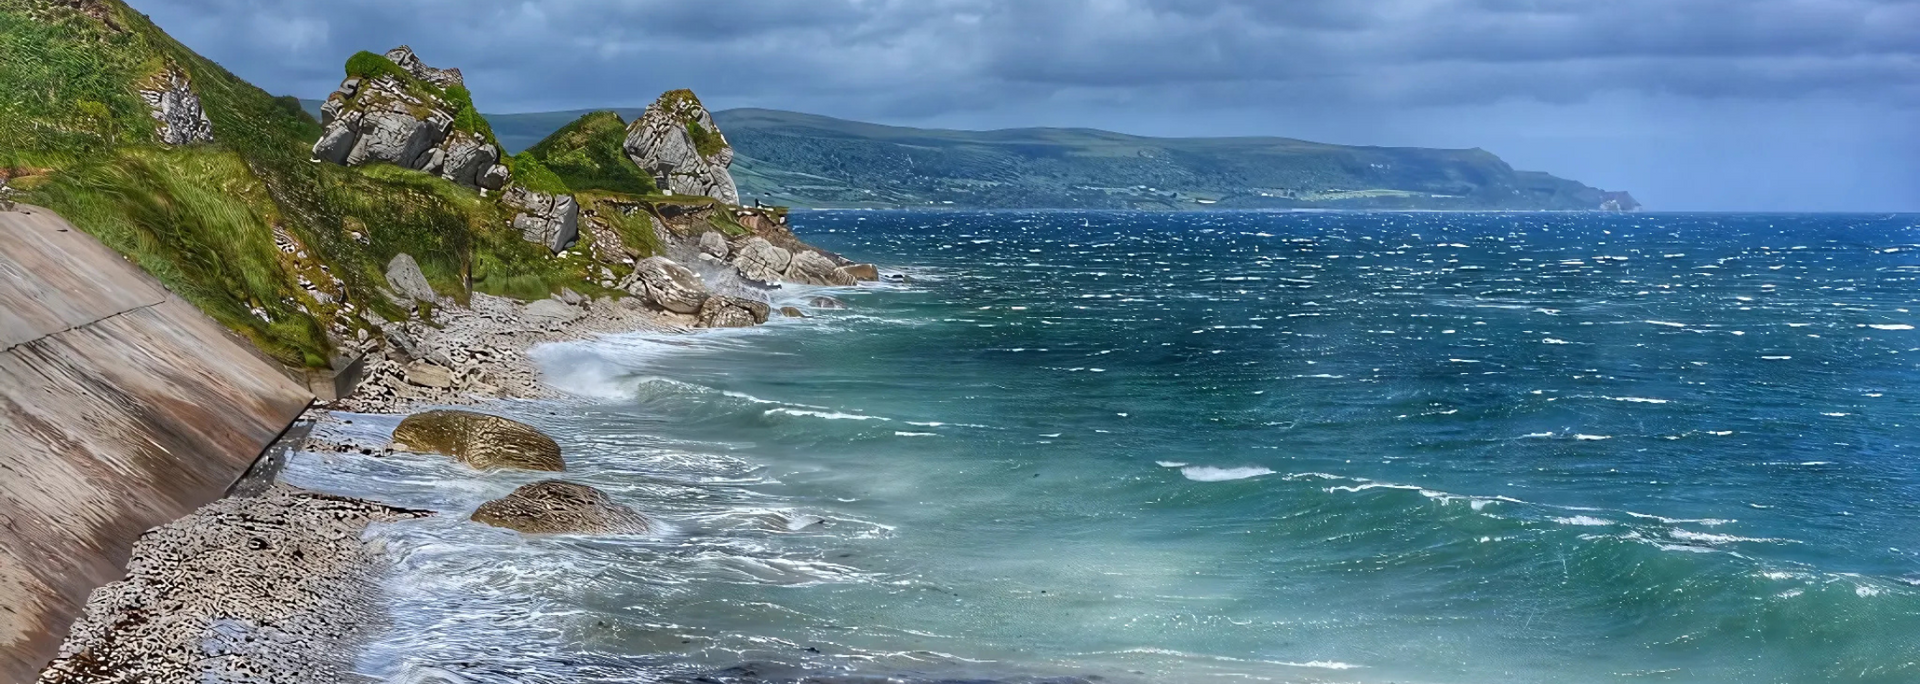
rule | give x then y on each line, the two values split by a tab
1213	447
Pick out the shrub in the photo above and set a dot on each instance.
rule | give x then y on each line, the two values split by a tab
535	176
706	142
368	65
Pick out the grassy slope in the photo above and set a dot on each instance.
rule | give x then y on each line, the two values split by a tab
76	136
589	154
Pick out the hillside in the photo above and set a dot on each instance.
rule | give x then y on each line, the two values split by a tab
808	160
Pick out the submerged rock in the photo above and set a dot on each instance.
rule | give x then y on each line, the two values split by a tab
825	302
792	312
676	141
479	440
558	507
721	311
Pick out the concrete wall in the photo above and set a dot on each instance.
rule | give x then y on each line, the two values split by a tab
122	407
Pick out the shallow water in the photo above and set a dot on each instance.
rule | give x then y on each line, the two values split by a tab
1283	447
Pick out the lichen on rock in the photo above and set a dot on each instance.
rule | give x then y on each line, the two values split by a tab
479	440
181	119
559	507
677	142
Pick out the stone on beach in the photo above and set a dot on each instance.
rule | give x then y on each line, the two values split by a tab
668	285
558	507
479	440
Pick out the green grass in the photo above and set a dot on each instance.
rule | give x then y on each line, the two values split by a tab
370	65
590	154
76	136
529	173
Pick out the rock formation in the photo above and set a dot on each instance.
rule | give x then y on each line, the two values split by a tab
721	311
478	440
667	285
677	142
759	260
177	109
408	122
812	268
551	220
557	507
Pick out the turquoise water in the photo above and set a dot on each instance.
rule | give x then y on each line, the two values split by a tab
1218	447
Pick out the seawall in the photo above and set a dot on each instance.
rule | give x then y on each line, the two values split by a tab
122	407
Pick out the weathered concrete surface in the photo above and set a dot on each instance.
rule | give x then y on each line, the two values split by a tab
121	408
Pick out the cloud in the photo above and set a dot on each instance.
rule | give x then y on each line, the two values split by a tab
1358	71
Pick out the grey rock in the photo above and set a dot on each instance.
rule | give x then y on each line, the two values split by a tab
177	108
713	244
394	136
760	260
574	298
721	311
861	272
660	143
792	312
428	374
551	220
443	78
825	302
339	138
495	177
468	159
551	312
558	507
404	275
812	268
668	285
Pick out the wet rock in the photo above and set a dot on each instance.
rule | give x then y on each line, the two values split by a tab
761	260
668	285
551	220
662	143
825	302
792	312
861	272
813	268
403	274
429	374
478	440
713	244
558	507
721	311
177	109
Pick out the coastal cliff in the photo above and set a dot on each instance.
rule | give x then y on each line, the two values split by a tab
197	255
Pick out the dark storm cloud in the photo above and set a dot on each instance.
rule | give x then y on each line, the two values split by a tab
1595	76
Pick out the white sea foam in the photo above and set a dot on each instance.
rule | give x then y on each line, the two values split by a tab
1592	438
1552	341
1706	538
829	415
1170	464
1669	324
898	433
1583	521
1211	474
1638	400
1890	326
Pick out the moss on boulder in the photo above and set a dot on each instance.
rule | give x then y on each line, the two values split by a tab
479	440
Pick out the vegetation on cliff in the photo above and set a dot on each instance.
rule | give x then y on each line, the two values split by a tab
246	227
586	154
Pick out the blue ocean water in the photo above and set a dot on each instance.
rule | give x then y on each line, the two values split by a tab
1378	447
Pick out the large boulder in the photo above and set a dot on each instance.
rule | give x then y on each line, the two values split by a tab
668	285
404	275
551	220
408	123
721	311
761	260
479	440
676	141
713	244
813	268
177	109
558	507
861	272
551	312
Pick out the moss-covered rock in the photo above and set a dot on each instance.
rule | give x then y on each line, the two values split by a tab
479	440
557	507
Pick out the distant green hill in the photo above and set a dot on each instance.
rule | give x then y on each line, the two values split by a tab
806	160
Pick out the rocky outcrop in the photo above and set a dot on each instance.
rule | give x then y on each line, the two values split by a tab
759	260
677	142
403	274
861	272
388	119
713	244
479	440
721	311
667	285
812	268
557	507
441	78
551	220
177	109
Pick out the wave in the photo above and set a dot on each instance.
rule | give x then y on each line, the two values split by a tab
1211	474
829	415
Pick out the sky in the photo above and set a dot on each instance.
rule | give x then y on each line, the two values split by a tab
1721	105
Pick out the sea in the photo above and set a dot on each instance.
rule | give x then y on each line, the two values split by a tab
1447	448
